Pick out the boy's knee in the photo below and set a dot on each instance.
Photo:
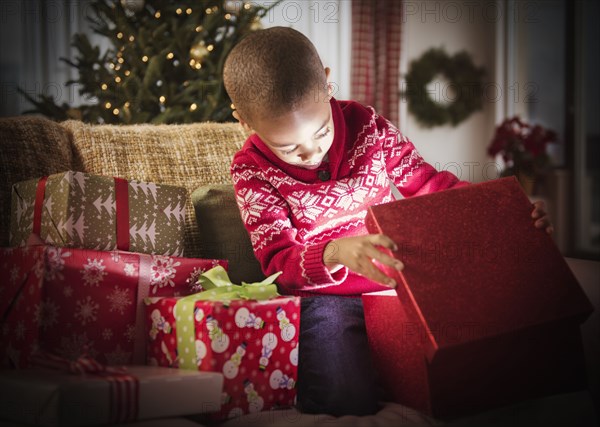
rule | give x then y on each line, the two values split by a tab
337	401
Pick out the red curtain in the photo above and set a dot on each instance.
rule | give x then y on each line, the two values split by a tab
376	36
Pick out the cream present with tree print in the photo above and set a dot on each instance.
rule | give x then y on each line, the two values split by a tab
96	212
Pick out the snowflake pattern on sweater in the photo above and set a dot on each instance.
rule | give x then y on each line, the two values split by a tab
291	214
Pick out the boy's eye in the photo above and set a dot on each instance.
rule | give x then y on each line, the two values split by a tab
288	152
324	133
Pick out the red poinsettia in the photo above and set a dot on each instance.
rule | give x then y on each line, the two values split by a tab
522	146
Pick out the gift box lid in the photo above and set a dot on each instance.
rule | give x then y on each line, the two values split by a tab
475	265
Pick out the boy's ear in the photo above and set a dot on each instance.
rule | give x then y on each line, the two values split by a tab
244	124
329	86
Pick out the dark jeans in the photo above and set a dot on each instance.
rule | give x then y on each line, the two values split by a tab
335	371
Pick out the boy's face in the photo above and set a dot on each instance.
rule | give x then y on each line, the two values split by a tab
301	137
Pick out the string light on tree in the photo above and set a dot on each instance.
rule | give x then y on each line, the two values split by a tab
195	65
256	25
199	51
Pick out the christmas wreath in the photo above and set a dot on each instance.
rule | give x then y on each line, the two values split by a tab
465	83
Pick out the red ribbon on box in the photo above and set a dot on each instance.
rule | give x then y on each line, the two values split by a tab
37	209
121	209
122	212
123	387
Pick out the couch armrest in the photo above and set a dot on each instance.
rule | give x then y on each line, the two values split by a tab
30	147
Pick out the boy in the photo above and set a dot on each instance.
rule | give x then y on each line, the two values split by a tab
303	181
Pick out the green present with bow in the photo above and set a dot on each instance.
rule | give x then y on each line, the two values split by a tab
248	332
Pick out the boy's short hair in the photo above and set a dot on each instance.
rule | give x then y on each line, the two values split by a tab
271	71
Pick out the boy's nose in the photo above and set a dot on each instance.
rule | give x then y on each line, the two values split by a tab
307	154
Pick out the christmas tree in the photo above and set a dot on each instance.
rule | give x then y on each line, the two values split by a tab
165	63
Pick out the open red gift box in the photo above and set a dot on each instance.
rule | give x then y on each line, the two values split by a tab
486	311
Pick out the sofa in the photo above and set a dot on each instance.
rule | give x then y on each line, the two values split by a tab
197	157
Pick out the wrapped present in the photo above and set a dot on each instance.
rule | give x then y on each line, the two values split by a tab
75	209
486	311
234	330
65	299
85	393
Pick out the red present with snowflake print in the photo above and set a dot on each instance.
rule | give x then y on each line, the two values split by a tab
253	343
69	301
22	275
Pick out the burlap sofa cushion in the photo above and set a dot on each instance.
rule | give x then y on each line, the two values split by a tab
223	232
30	147
188	156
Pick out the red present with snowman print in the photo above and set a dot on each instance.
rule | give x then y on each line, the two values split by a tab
69	301
246	332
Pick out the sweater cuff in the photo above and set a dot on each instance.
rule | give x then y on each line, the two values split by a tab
315	271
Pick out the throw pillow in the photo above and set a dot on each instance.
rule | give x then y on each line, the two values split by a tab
222	232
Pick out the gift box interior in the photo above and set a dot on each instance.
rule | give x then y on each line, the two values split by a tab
486	312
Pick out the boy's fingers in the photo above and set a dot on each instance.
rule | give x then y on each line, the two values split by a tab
383	240
539	204
384	258
539	209
375	274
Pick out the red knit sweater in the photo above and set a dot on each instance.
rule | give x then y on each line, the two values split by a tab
290	214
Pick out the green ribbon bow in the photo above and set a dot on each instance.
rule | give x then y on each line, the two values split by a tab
218	288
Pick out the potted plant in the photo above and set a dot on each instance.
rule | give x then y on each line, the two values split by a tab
523	149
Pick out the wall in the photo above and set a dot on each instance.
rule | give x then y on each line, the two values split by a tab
455	26
328	25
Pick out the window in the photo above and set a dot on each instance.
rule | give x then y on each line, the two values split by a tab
586	128
551	66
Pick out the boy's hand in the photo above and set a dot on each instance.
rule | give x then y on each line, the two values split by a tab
541	216
358	253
